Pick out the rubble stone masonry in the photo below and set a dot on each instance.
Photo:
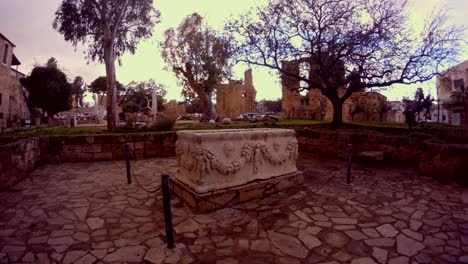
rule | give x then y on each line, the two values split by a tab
443	161
236	98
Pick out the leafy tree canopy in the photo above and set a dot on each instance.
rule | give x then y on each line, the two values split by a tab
48	89
88	22
193	106
99	86
52	63
420	104
139	95
110	28
423	104
199	57
272	106
78	90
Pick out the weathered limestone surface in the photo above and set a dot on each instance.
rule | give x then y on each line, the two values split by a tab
174	109
13	103
106	147
209	201
443	161
316	106
87	213
17	160
236	97
211	160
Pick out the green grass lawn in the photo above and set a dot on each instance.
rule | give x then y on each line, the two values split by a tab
206	126
365	127
299	122
56	131
378	124
403	125
243	124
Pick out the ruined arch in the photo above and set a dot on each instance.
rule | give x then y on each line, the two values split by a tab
301	104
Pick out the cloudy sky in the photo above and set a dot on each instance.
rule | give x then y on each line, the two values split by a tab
28	24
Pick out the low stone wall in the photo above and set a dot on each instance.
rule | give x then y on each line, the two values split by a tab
104	147
17	160
442	161
445	162
397	150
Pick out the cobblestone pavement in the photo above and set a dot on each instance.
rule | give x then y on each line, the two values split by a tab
86	213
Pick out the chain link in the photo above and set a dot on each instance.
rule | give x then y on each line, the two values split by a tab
141	186
226	205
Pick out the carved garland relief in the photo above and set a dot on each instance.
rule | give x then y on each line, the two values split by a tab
200	160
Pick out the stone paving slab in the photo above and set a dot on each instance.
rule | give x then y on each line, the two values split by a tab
86	213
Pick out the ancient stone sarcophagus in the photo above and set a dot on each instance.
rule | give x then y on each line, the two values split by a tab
213	160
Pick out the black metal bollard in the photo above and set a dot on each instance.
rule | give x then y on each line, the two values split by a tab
127	161
350	154
167	210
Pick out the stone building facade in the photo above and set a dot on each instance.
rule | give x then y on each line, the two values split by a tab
396	112
174	109
12	98
236	97
454	79
366	106
361	106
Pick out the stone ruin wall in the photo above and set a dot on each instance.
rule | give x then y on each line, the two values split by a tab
13	103
445	161
318	107
17	160
174	109
373	102
229	100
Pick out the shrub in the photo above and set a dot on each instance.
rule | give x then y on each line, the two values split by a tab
163	123
130	128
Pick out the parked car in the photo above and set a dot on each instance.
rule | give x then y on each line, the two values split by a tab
252	116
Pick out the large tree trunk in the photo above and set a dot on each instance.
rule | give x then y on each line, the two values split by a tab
337	112
209	110
109	60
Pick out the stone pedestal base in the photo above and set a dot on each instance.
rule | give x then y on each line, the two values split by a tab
204	202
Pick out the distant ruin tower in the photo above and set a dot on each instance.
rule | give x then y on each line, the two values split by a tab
248	77
236	97
249	92
291	100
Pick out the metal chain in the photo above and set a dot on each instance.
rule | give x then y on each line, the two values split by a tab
138	182
141	186
226	205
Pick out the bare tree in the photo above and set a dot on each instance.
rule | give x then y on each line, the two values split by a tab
200	58
111	27
350	45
